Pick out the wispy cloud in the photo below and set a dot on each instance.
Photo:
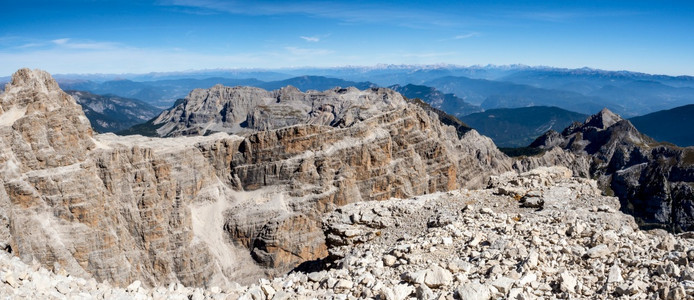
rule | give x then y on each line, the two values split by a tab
548	16
461	36
25	44
466	36
308	51
60	41
31	45
310	38
83	45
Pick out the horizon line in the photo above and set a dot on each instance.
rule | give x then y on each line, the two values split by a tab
373	67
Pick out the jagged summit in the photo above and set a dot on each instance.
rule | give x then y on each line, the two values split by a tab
653	181
33	79
243	109
603	131
603	119
41	124
26	81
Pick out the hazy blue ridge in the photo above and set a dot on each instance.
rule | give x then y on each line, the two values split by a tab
518	127
673	125
109	113
437	99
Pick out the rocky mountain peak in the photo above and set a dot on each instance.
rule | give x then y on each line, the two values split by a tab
603	119
42	125
34	79
33	90
653	181
461	244
247	109
600	133
289	89
202	211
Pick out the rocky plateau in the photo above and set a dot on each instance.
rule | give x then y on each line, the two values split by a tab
248	109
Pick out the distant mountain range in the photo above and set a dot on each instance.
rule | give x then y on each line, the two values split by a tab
319	83
437	99
163	93
383	75
160	93
498	94
673	125
112	113
454	89
518	127
582	90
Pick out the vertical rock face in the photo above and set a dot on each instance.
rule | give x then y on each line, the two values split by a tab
41	128
654	182
206	209
113	211
399	154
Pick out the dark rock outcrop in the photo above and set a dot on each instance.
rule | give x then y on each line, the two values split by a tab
654	182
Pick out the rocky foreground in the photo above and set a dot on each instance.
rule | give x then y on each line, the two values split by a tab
541	234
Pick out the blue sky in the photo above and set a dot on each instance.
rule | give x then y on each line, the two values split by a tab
177	35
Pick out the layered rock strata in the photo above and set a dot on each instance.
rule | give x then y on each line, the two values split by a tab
248	109
205	210
462	244
98	208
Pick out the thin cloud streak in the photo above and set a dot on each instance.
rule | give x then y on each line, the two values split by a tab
87	45
461	36
313	39
466	36
31	45
60	41
307	51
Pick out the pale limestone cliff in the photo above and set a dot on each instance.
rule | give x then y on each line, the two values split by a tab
203	210
117	212
244	109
